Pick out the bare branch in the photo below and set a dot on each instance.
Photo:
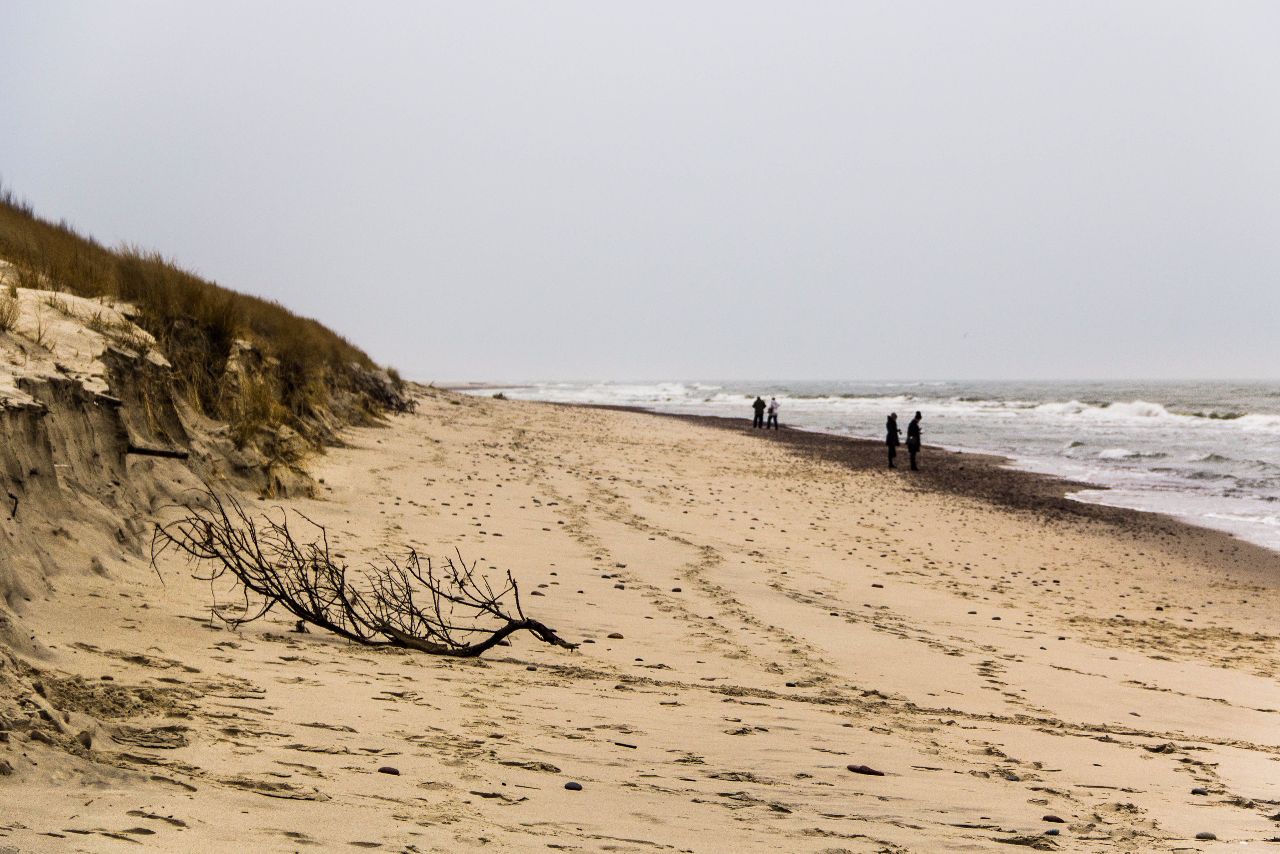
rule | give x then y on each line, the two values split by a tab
404	603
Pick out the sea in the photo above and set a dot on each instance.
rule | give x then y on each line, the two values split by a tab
1205	452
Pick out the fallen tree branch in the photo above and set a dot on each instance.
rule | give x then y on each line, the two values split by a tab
412	603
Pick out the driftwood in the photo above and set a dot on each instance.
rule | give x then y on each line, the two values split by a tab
167	453
412	603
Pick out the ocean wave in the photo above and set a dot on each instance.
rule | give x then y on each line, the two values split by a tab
1126	454
1215	415
1110	411
1224	460
1254	421
1142	411
1204	475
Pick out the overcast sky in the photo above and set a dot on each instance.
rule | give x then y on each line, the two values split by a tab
686	190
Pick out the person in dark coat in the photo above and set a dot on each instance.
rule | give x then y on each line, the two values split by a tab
913	440
758	406
891	436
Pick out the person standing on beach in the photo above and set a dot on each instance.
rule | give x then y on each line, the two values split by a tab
913	440
773	414
758	406
891	436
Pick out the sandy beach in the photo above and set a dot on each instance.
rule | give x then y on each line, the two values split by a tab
758	615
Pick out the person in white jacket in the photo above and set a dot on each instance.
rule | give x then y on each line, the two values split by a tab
773	414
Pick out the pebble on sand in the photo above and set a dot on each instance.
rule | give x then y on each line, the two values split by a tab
387	769
1206	835
1199	791
1053	818
865	769
615	635
573	787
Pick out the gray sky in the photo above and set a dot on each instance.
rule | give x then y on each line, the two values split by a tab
686	190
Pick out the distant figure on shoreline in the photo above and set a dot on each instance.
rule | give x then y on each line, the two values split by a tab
891	436
773	414
758	406
913	440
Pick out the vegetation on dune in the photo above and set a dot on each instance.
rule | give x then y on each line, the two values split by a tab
305	377
8	311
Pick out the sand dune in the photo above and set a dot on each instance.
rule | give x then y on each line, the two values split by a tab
780	652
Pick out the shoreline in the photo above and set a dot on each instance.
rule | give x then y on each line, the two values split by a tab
988	477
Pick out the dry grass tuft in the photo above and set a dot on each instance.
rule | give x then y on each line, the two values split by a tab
8	313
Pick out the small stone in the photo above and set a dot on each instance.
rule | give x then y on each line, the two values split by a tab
615	635
1054	819
1011	777
85	739
791	684
1198	790
865	769
676	590
1206	835
387	769
573	787
532	667
1053	831
881	586
619	587
5	768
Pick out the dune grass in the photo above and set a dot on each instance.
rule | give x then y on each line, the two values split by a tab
306	368
8	312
